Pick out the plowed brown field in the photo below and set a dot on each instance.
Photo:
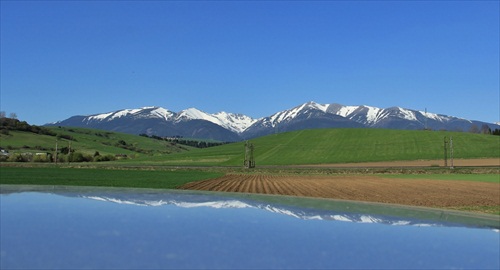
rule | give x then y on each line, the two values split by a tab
430	193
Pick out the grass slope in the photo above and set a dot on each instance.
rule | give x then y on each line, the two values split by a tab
87	141
318	146
324	146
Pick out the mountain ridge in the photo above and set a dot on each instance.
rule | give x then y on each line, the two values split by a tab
226	126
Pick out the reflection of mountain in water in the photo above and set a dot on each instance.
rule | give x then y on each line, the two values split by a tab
293	211
302	208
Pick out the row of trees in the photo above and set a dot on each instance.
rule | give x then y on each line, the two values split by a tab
12	115
63	157
485	129
179	140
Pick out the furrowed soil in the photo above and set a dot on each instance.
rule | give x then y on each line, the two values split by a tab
371	188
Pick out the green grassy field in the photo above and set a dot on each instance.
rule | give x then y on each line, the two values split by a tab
318	146
324	146
164	179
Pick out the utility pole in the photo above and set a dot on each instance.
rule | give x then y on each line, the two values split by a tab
451	152
69	151
445	152
56	154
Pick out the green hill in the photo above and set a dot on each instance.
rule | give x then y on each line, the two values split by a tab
325	146
318	146
85	141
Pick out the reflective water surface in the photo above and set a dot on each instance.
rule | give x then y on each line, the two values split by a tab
82	227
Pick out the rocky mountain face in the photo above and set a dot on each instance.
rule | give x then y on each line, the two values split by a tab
222	126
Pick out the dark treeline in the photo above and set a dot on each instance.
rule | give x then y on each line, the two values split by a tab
12	124
7	124
179	140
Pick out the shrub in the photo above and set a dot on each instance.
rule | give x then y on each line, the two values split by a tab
122	142
42	158
18	158
104	158
61	158
79	157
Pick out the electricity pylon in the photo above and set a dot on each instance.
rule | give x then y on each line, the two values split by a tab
249	160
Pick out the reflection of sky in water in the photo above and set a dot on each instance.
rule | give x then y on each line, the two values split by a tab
51	231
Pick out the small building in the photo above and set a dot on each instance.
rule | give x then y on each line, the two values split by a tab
4	152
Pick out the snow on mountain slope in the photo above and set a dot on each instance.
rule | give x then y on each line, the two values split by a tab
407	114
234	122
288	115
162	113
194	114
346	111
144	112
99	117
367	116
374	114
437	117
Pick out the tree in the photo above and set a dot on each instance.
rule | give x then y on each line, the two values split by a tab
3	114
64	150
13	115
485	129
474	129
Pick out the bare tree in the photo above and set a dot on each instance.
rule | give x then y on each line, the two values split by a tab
485	129
3	114
13	115
473	129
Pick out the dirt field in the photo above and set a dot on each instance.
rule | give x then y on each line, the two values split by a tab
429	193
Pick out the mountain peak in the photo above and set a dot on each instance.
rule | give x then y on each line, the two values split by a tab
234	122
317	106
192	113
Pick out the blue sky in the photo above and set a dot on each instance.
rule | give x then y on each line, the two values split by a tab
65	58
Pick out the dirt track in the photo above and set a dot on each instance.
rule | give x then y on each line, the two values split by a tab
431	193
418	163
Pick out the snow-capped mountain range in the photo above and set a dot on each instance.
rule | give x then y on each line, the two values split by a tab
233	122
224	126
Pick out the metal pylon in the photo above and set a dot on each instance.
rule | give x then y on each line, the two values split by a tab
249	160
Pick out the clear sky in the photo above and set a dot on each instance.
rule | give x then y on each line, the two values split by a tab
65	58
